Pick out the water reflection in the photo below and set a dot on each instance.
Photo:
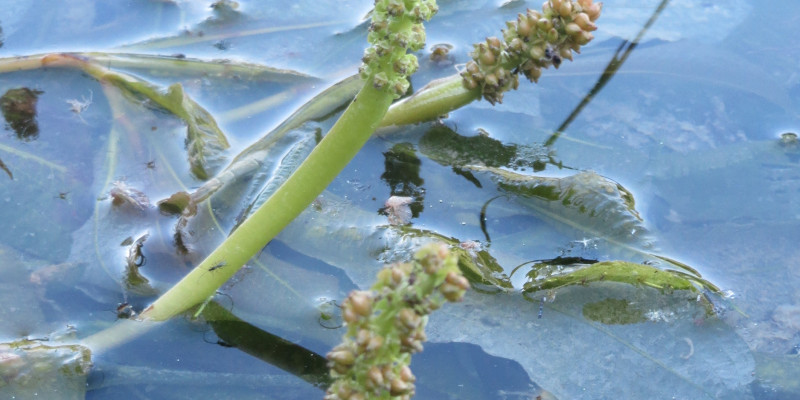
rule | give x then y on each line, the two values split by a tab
19	110
623	51
401	174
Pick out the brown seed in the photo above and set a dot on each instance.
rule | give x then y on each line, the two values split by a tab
375	342
375	377
451	292
533	74
565	9
361	302
573	29
533	15
409	318
362	337
457	279
583	38
494	43
344	391
343	357
536	52
583	20
348	315
523	27
487	57
406	374
397	273
593	11
398	387
544	24
491	80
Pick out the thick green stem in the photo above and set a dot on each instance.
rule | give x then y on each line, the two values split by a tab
432	101
327	160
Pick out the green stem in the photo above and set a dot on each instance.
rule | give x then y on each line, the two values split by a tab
434	100
324	163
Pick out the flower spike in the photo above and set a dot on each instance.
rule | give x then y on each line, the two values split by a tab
536	40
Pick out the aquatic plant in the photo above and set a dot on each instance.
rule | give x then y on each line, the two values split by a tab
494	70
386	324
535	41
561	27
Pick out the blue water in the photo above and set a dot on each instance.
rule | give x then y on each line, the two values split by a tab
690	123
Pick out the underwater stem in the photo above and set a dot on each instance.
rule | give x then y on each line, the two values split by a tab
324	163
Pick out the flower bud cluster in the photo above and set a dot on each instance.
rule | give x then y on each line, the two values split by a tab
386	324
536	40
396	28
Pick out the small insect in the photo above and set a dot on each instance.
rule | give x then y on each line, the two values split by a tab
552	55
217	266
440	54
79	106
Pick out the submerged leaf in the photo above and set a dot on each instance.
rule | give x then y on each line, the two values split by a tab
585	201
613	271
280	150
447	147
631	361
614	312
183	67
776	376
205	142
31	368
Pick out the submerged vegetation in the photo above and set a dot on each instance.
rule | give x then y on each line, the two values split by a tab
281	185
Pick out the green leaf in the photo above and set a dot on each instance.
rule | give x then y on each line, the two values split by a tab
205	142
612	271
